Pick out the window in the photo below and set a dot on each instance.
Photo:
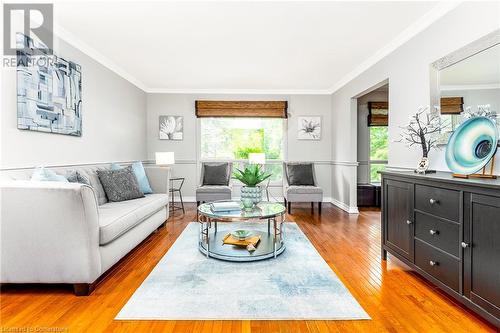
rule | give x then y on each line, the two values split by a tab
379	146
234	138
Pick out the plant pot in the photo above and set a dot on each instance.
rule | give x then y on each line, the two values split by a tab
252	193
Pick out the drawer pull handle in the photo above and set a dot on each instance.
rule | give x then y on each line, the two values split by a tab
465	245
433	201
433	263
434	232
408	222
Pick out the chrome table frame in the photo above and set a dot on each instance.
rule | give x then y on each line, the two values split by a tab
273	242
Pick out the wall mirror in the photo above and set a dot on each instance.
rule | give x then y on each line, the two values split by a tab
467	82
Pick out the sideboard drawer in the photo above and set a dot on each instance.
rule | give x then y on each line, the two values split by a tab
438	201
440	233
442	266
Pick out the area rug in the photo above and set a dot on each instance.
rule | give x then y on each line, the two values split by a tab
298	284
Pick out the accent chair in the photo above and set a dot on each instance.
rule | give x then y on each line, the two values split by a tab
215	182
300	185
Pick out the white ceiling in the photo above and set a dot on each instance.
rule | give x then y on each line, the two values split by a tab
235	46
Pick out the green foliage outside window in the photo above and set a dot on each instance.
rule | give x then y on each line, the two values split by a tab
379	147
235	138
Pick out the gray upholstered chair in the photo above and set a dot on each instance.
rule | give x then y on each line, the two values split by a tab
300	185
215	182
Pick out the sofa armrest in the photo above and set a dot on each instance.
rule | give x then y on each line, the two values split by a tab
49	233
159	178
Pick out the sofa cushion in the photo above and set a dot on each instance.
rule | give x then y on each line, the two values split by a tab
300	174
213	188
120	184
304	190
91	174
116	218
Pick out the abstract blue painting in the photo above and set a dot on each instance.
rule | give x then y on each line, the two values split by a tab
49	92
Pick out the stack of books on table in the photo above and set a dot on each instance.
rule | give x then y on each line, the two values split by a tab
227	206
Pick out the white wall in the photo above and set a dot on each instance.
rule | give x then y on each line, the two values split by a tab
186	151
407	70
113	113
363	156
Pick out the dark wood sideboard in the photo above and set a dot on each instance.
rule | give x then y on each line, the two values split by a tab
447	230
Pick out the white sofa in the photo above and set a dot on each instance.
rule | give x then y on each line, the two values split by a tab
56	232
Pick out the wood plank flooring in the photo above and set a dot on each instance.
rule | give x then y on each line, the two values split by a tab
397	299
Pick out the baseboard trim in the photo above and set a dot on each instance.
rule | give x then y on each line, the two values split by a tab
345	207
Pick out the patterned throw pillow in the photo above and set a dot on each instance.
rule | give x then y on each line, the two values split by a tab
120	185
74	176
139	173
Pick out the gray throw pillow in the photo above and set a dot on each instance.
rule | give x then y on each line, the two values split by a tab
300	174
216	174
74	176
120	185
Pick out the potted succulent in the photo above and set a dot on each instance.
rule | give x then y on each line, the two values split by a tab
251	177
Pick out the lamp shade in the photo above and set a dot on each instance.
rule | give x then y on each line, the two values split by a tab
257	158
165	158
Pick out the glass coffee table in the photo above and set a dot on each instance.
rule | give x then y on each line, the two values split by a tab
271	244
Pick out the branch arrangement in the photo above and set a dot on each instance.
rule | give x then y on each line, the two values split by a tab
422	130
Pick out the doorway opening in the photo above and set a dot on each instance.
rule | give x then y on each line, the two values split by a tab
372	143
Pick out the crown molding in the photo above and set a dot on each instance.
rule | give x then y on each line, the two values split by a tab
438	11
77	43
240	91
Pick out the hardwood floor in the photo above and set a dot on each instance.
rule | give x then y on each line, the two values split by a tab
396	299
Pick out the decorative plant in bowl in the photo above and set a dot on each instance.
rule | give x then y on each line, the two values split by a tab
251	176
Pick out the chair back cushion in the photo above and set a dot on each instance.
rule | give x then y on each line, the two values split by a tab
300	174
216	174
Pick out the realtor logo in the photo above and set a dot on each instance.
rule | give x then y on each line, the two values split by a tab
34	20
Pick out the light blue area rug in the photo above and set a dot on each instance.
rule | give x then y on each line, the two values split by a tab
298	284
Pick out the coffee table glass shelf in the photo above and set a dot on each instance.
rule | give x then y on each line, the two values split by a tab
271	244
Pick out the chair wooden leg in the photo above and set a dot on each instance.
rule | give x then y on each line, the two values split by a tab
83	289
312	207
319	207
289	207
197	203
284	201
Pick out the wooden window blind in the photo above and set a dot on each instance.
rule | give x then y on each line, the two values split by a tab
378	114
260	109
452	105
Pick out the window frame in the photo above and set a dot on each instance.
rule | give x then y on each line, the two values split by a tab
275	183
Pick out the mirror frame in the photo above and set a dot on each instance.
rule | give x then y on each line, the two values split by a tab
463	53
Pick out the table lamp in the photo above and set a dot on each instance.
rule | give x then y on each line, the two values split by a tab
257	158
165	158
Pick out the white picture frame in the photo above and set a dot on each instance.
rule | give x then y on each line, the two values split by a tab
309	128
171	128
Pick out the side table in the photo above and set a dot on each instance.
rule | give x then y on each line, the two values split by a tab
179	181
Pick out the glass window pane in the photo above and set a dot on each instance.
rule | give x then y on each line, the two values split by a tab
379	143
235	138
276	170
374	175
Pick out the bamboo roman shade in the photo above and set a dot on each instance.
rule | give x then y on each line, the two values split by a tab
378	114
260	109
452	105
